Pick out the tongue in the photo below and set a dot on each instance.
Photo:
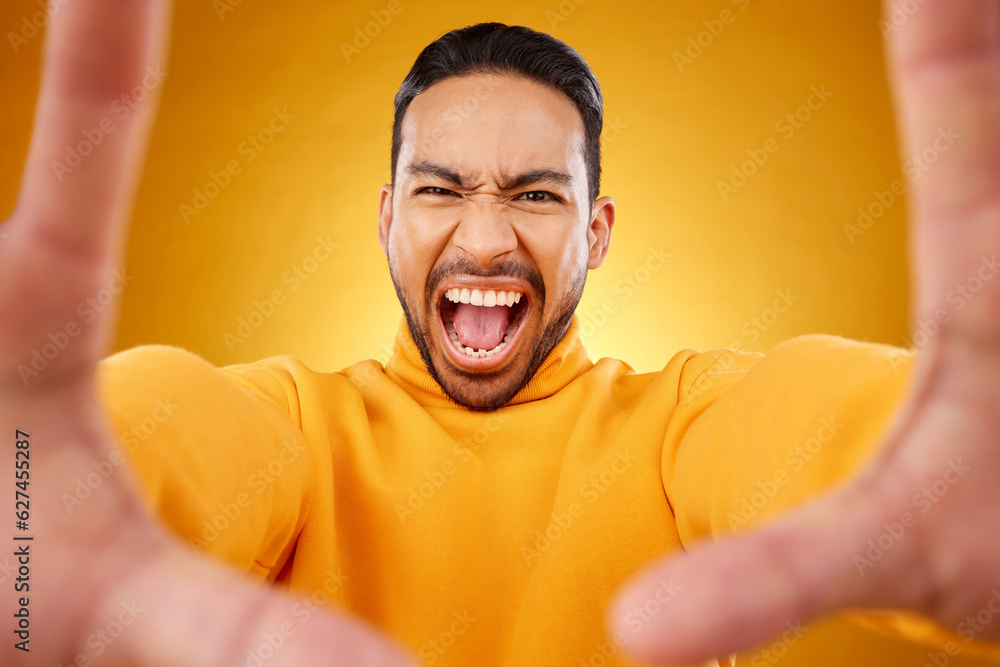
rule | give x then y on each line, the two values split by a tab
480	327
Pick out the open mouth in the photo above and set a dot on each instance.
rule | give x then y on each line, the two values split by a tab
482	325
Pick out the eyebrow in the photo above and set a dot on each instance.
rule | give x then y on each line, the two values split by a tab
553	176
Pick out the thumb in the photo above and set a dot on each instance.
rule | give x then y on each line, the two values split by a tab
738	592
177	609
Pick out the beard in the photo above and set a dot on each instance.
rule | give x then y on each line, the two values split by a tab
490	390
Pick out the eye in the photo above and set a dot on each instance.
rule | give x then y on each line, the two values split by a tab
538	196
434	190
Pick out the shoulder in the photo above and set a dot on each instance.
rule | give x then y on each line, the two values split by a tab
807	360
707	372
172	369
688	373
812	374
825	361
280	376
154	364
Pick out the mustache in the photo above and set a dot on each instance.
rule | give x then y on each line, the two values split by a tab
507	268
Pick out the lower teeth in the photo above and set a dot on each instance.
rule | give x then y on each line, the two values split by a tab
481	353
453	335
476	354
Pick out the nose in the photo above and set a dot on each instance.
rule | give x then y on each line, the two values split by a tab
484	232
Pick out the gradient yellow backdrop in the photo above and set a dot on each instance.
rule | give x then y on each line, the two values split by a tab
692	89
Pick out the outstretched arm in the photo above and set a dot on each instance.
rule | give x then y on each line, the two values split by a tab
63	242
944	63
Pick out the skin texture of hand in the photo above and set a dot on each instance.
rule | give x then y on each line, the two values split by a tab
62	243
944	66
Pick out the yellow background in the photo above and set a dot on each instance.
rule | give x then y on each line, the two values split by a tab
672	133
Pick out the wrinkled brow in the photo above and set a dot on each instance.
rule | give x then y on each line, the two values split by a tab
535	176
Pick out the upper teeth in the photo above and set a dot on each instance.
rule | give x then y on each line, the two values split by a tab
479	297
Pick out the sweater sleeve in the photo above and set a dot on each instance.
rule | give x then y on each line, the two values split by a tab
754	436
216	455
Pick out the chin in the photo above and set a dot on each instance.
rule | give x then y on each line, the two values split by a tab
482	337
489	379
483	390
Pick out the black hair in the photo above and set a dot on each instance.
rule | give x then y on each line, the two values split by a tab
496	48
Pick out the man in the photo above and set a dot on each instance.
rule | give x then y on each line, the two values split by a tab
483	495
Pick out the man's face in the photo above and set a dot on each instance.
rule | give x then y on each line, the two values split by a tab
489	231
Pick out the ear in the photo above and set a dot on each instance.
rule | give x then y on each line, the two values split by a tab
602	221
384	217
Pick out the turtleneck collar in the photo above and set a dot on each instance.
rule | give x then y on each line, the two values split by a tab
567	361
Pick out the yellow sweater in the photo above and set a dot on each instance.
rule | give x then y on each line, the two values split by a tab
497	538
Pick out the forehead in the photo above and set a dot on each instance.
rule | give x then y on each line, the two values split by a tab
485	124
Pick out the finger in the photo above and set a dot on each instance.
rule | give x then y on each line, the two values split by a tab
944	62
193	613
116	588
147	603
96	104
62	242
739	592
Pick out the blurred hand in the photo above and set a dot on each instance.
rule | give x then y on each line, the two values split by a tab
109	562
944	64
